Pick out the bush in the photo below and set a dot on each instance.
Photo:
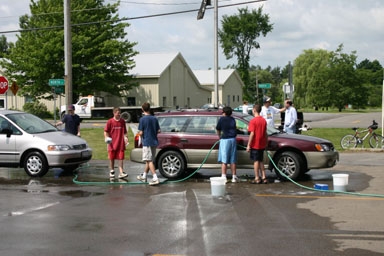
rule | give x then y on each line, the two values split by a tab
38	109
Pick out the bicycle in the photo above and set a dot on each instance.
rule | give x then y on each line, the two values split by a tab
352	141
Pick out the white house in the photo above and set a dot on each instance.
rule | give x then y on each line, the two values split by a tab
230	85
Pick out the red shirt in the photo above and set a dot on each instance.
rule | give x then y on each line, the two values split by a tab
258	125
116	130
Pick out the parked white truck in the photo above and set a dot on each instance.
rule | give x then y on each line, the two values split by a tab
94	107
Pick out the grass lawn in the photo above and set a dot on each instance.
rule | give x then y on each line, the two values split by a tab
95	139
335	134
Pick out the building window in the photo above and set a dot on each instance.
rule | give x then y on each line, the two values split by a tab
131	101
233	98
188	102
209	100
238	98
174	101
229	100
2	103
164	101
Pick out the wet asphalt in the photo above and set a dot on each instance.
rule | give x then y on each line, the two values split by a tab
54	216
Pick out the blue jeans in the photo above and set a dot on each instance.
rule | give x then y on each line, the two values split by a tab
290	130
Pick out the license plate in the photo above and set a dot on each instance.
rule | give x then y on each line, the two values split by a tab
85	154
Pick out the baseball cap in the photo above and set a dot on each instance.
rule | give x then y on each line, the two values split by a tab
266	99
71	107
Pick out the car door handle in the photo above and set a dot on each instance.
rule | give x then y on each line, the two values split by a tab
184	140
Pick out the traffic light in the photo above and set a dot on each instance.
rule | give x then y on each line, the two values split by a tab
203	6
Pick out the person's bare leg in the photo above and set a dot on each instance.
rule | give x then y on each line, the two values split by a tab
233	169
146	169
223	169
262	169
112	164
152	167
121	166
256	168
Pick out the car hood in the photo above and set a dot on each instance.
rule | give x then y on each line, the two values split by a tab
60	138
301	137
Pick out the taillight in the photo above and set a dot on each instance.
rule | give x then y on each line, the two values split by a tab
138	143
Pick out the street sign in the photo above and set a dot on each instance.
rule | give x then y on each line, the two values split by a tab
287	88
14	88
59	89
265	86
56	82
3	85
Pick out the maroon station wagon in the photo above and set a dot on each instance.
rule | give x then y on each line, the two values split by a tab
187	136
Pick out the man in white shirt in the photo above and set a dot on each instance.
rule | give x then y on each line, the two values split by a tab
268	112
290	117
245	107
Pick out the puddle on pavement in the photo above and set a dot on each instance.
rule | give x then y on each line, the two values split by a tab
79	193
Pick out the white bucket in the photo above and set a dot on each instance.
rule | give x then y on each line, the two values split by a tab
340	182
218	186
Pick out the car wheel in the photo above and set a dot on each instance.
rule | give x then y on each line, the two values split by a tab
127	117
35	164
172	165
290	163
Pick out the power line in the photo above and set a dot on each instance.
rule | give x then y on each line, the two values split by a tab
125	19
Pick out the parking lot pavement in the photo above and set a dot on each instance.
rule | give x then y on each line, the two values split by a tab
53	216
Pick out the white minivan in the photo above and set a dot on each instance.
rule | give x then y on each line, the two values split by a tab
34	144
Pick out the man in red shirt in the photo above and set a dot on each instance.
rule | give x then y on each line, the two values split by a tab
257	143
115	134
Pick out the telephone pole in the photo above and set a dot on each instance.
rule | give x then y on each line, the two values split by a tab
216	53
67	53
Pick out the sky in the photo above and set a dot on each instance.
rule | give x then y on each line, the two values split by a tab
298	25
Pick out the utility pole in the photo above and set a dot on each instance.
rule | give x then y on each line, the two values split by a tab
290	82
216	53
382	110
257	87
67	53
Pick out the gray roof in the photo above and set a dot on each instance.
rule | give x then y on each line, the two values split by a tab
206	77
152	64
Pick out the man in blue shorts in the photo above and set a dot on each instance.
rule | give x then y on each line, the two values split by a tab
226	129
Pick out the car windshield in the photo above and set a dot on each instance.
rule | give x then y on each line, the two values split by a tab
270	130
30	123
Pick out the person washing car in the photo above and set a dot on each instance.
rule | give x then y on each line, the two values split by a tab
257	143
115	134
268	111
226	129
290	117
148	129
71	121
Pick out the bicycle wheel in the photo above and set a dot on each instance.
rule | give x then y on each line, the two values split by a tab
348	141
376	141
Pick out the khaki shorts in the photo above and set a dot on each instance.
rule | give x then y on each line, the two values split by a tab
149	153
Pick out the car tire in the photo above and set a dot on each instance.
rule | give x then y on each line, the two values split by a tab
172	165
127	117
290	163
35	164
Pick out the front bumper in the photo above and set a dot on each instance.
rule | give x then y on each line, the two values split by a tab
321	159
70	157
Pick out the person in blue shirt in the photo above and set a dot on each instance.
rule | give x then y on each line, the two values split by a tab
290	117
71	121
148	130
226	129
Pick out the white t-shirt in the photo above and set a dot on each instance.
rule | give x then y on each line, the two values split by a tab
245	109
268	114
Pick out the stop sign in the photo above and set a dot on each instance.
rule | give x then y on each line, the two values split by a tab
3	85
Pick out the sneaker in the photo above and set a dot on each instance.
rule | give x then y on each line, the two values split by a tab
112	174
154	182
235	180
141	178
123	175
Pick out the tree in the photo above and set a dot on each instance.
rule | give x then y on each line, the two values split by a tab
238	37
101	55
3	46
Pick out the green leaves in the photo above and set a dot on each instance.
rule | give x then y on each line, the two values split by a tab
238	37
101	56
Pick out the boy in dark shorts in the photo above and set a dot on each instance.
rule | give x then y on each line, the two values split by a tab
257	143
226	129
148	130
115	134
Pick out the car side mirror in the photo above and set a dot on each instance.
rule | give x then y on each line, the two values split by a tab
7	131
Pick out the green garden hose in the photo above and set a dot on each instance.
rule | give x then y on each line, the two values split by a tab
205	159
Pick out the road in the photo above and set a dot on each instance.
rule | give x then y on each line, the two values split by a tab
53	216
